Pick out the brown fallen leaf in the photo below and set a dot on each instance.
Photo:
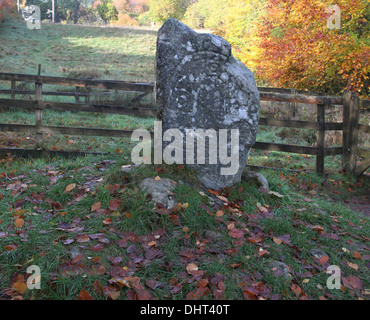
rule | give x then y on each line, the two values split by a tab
222	198
219	213
84	295
324	260
353	265
277	240
70	187
19	223
191	267
114	204
318	228
82	238
111	292
11	247
107	221
352	282
96	206
357	255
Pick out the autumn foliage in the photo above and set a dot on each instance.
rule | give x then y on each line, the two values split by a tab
287	43
6	6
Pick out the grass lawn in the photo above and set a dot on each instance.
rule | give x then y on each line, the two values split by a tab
87	226
94	234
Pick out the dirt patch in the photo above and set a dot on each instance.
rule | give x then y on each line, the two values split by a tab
360	204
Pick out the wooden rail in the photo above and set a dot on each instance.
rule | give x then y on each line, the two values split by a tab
350	126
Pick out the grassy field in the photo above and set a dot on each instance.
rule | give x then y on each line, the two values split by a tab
94	234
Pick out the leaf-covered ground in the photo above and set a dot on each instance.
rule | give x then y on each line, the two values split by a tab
95	235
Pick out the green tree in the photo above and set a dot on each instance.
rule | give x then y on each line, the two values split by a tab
107	11
161	10
205	14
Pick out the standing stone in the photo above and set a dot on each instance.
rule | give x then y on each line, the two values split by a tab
200	85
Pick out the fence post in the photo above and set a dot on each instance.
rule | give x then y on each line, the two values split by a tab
12	94
350	131
87	95
320	156
38	113
77	94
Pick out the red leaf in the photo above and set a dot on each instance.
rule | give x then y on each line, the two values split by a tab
114	204
236	233
111	292
352	282
84	295
324	260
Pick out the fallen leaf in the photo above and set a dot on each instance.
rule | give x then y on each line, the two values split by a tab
77	259
157	178
111	292
277	240
296	289
276	194
318	228
324	260
353	265
20	286
202	283
97	287
82	238
114	204
352	282
70	187
236	233
84	295
262	252
219	213
96	206
191	267
357	255
11	247
107	221
19	223
222	198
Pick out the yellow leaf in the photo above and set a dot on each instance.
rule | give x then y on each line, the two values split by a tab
157	178
277	194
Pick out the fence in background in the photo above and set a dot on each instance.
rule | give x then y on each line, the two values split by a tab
350	125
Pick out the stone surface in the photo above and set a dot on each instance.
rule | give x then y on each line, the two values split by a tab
280	269
128	168
159	190
200	85
258	178
317	253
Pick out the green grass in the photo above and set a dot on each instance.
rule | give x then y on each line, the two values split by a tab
77	51
43	241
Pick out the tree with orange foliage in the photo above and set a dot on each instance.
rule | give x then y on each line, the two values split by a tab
287	43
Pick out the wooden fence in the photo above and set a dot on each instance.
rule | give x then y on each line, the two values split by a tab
350	125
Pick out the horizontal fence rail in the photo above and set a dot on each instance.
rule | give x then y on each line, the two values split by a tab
350	126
